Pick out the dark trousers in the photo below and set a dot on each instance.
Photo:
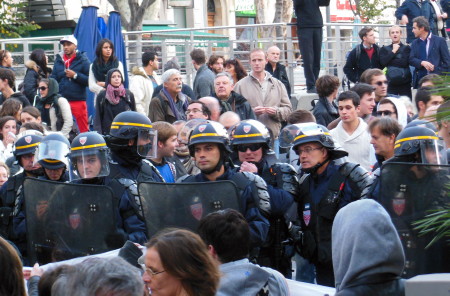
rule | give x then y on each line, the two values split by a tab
310	43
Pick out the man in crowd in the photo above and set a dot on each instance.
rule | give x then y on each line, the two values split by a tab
393	108
442	119
351	133
8	78
214	107
377	79
71	71
144	81
425	98
275	68
197	109
229	119
429	53
215	63
229	99
204	79
408	11
383	132
267	95
364	56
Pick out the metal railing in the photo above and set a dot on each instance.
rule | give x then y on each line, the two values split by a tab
229	41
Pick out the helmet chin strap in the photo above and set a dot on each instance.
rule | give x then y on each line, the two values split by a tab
218	167
313	170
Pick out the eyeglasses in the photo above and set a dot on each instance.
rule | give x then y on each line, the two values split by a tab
252	147
43	87
385	113
380	83
308	150
149	271
193	111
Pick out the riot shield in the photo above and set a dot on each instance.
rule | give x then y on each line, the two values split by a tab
68	220
184	204
409	192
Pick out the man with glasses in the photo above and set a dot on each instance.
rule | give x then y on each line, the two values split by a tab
393	108
197	109
325	187
377	79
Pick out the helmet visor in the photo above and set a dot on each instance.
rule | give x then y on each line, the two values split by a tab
287	136
433	151
52	152
147	143
88	164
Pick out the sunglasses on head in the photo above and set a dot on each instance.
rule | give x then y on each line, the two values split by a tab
43	87
385	113
252	147
380	83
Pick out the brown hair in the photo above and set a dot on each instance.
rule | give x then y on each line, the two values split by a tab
11	277
33	126
364	31
238	68
10	107
198	56
386	125
367	75
8	74
326	85
300	116
2	164
213	59
33	111
165	130
3	121
3	54
185	256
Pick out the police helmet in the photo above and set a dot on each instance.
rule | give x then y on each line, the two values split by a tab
250	132
423	123
87	149
53	151
26	145
209	132
313	132
422	140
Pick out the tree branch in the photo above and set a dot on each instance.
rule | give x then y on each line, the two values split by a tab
124	21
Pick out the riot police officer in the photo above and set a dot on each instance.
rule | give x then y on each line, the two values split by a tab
325	187
209	145
89	159
11	191
250	142
52	155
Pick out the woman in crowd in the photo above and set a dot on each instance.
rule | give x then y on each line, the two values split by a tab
55	110
105	60
4	173
30	114
11	277
8	132
177	262
11	107
36	70
112	101
235	69
6	59
326	110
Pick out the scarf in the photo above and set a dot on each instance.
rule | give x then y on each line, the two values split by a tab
113	94
172	106
100	69
68	61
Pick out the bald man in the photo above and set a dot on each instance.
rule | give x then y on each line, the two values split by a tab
229	119
213	106
275	68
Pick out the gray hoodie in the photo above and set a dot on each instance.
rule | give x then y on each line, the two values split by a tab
367	251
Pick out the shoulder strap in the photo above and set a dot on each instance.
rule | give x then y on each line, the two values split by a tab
186	178
358	53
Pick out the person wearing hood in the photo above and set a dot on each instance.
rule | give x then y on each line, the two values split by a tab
112	101
36	70
55	109
393	108
367	229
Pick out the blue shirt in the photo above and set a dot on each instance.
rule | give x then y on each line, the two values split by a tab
166	173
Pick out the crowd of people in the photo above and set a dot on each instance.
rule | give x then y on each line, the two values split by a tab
321	186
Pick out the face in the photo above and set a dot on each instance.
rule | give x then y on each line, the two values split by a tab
161	284
382	144
311	154
69	48
230	69
89	166
370	37
155	63
223	87
8	60
206	156
387	110
435	101
217	67
3	175
43	89
27	162
54	175
380	83
273	55
174	84
347	111
257	61
367	103
107	50
10	126
168	148
116	79
250	156
395	33
194	110
26	117
416	30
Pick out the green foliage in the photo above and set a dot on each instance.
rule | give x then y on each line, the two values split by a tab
368	11
13	22
438	222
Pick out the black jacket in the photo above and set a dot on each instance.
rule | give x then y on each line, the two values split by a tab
308	13
354	67
238	104
280	74
398	59
18	96
324	112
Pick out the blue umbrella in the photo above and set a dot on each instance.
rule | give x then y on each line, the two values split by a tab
114	33
101	26
88	36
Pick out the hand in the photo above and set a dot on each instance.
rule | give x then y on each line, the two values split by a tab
248	167
295	232
271	110
427	65
10	138
395	47
102	84
259	110
70	73
444	15
36	270
404	20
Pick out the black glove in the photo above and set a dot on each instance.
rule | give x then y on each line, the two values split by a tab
295	232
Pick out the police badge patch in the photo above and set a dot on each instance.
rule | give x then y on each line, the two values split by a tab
398	204
197	211
28	139
247	128
83	140
201	128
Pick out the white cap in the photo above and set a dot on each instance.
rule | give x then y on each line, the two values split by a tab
69	38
